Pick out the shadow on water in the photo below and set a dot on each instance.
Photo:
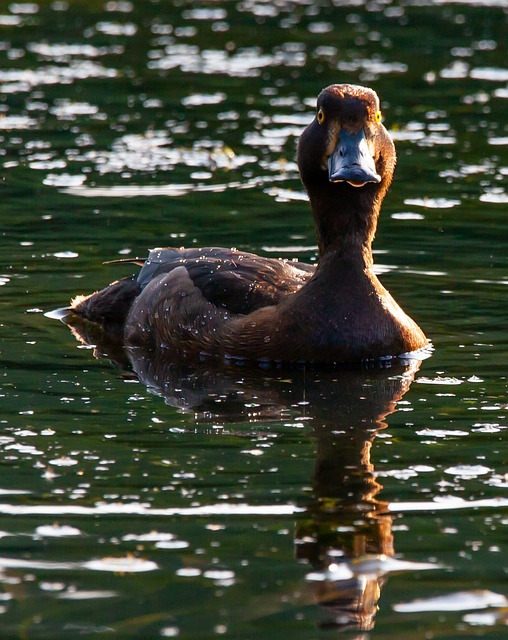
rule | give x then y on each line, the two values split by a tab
345	533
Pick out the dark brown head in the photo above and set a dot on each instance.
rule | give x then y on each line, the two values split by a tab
346	160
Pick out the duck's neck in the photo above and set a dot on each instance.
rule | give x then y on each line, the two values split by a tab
353	258
346	219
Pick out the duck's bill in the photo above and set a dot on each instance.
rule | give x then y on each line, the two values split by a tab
352	161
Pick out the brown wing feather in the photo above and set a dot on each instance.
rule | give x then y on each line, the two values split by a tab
234	280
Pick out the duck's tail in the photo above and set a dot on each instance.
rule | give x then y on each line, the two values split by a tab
109	306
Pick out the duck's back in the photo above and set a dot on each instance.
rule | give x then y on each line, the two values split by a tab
237	281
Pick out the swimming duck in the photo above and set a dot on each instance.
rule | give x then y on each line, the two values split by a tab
234	304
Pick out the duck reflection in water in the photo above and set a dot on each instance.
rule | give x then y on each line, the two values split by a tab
345	533
347	528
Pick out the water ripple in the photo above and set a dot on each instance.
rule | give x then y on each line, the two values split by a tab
448	503
459	601
244	63
25	80
171	190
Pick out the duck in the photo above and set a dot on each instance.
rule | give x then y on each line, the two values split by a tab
228	304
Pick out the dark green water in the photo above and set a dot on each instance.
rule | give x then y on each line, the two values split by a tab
235	503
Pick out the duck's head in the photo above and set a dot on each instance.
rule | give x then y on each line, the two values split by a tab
346	159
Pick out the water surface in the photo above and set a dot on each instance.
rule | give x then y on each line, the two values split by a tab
139	499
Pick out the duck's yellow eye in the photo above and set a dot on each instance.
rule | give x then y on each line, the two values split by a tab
321	116
379	117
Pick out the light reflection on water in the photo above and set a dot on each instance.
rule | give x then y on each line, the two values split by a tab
229	489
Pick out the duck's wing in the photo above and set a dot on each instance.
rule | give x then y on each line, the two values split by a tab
237	281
